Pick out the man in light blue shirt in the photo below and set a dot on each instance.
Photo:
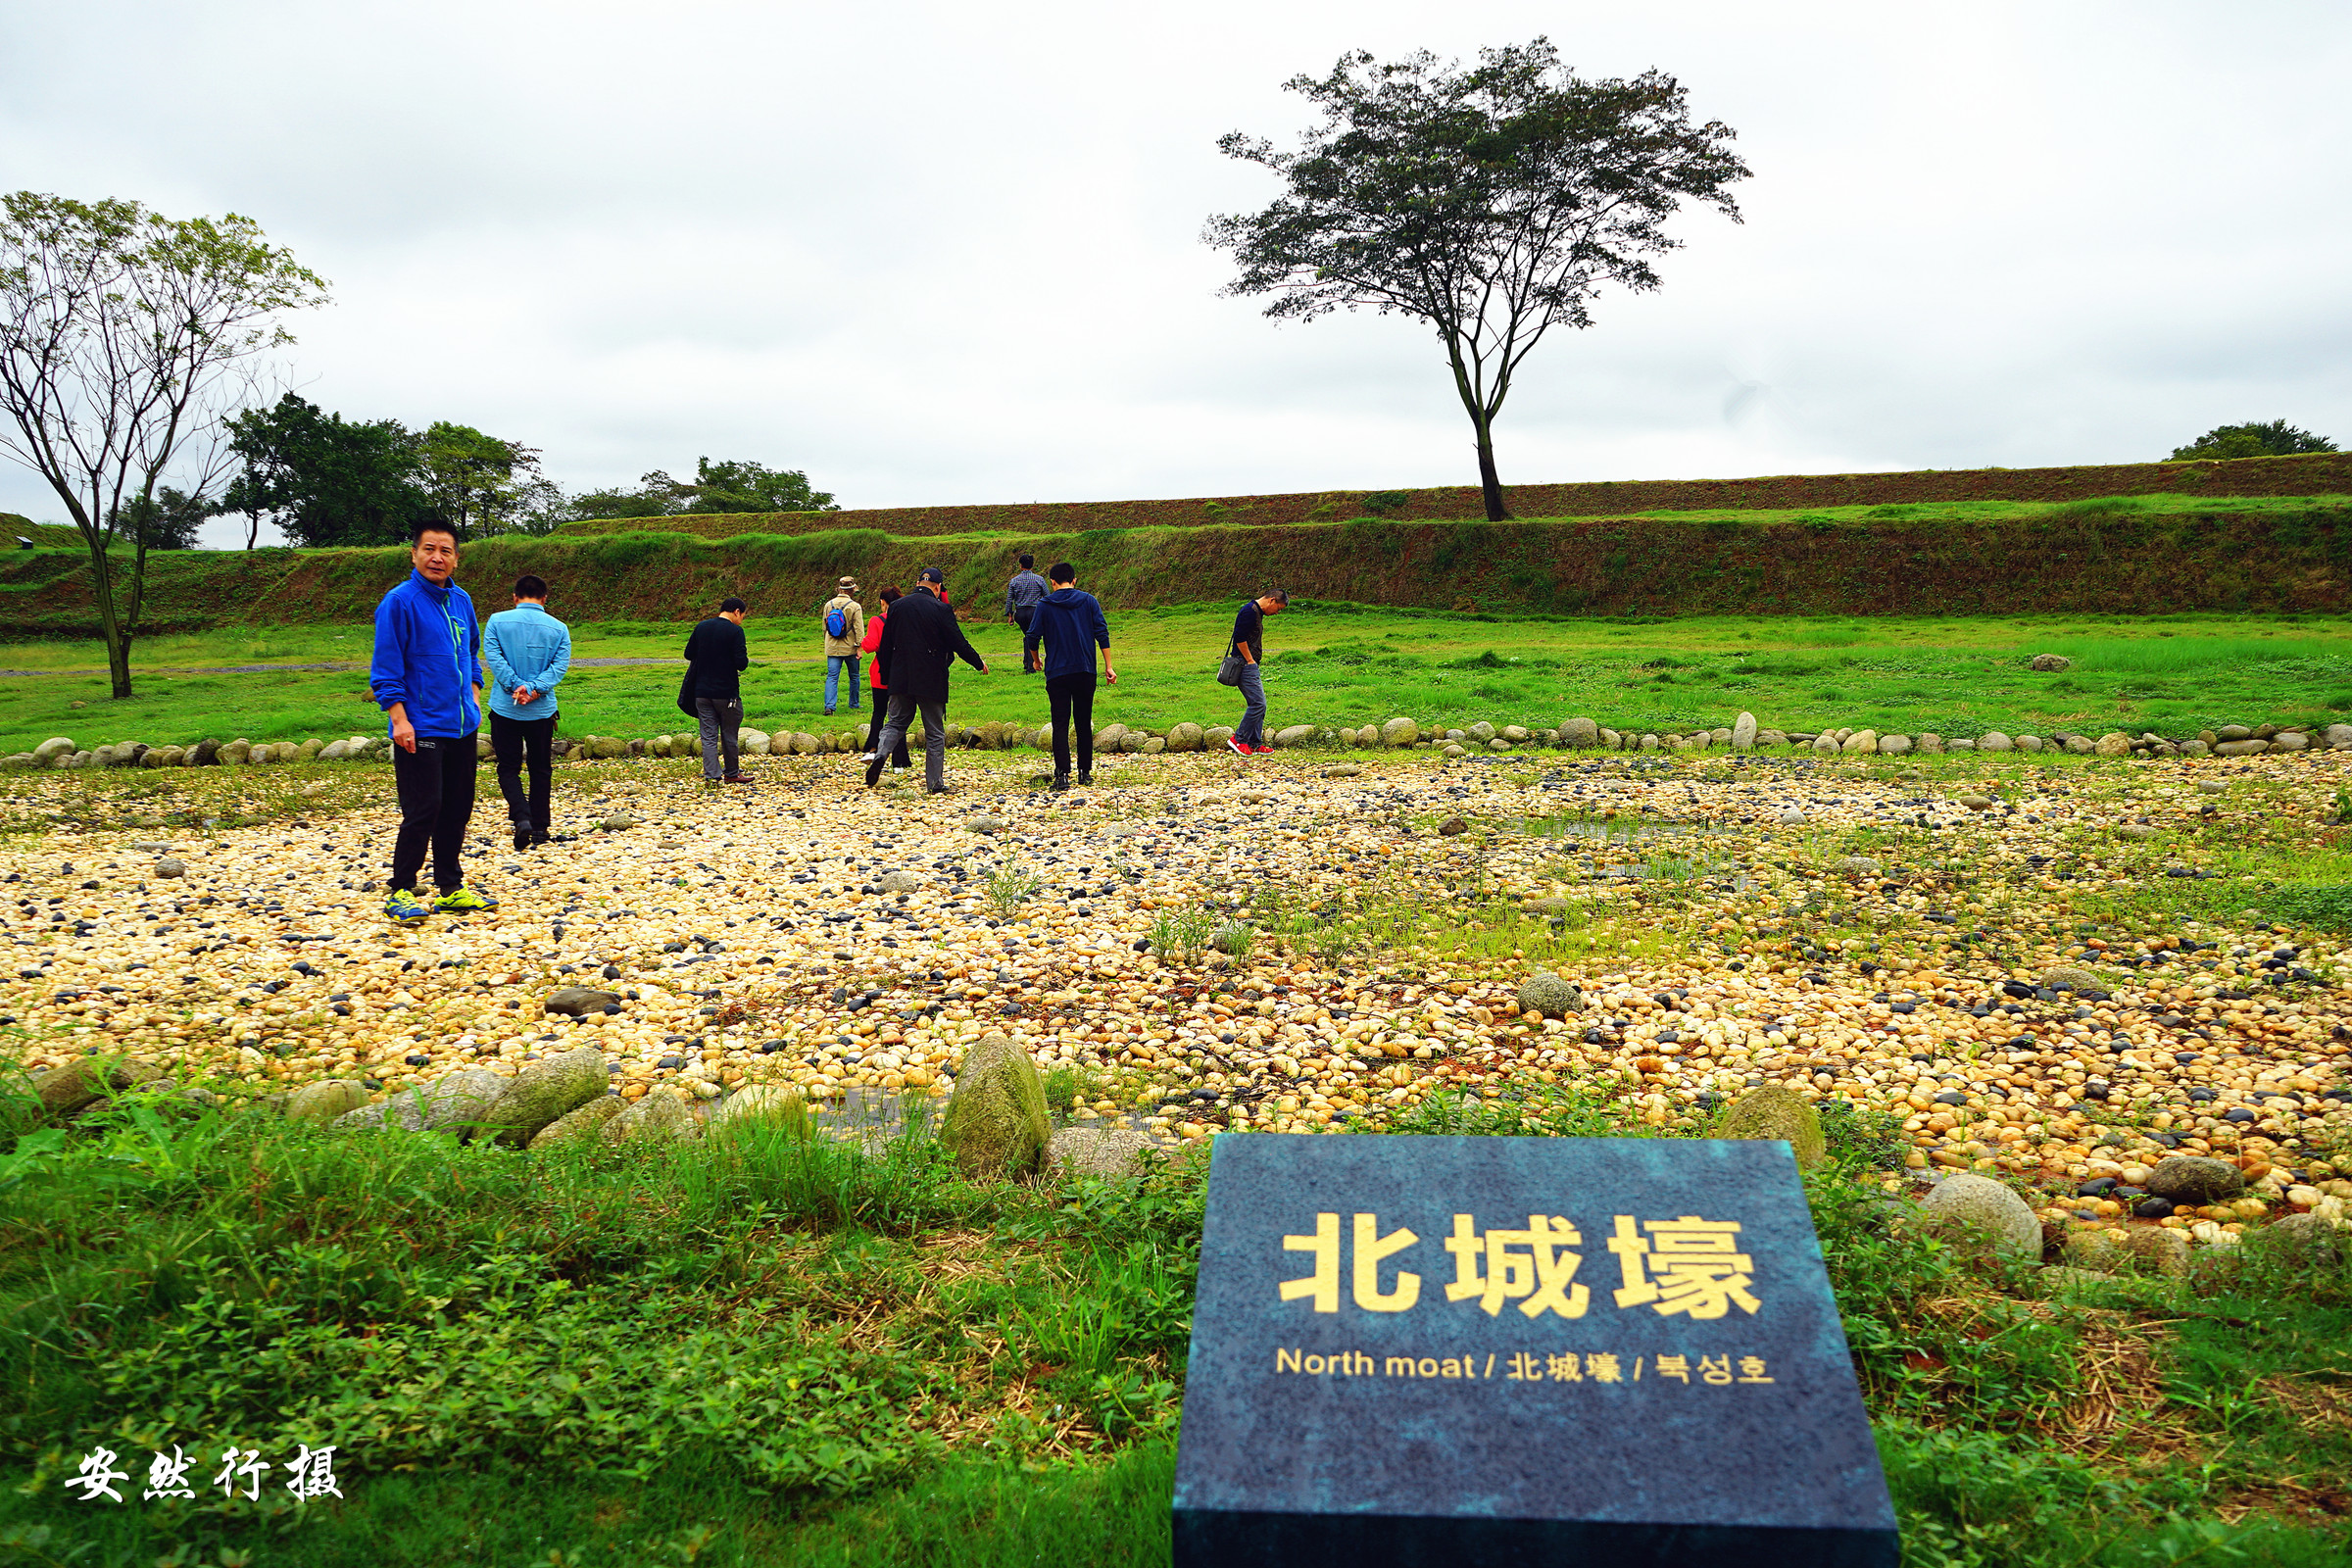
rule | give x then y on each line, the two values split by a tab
528	651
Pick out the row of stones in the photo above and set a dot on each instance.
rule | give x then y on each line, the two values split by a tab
1579	733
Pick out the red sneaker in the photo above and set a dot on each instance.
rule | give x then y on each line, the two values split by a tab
1243	748
1263	751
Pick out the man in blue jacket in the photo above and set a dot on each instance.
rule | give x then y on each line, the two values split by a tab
528	652
427	678
1070	626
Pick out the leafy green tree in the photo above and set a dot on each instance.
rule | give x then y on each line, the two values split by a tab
125	337
169	520
2276	439
1488	202
324	480
722	486
477	481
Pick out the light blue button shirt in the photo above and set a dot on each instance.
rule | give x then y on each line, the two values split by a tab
529	648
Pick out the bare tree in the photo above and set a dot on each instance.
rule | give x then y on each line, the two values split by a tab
1490	202
123	338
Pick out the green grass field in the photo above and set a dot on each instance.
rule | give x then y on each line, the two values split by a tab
1334	663
753	1349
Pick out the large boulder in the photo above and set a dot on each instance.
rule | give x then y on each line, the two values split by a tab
1102	1153
1294	736
1399	733
544	1091
2195	1180
1770	1112
580	1123
1547	993
996	1123
455	1101
1580	732
323	1102
55	747
66	1090
661	1114
2115	743
2049	662
1744	733
1981	1204
1184	737
768	1105
1861	741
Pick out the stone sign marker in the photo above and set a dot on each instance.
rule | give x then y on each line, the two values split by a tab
1486	1351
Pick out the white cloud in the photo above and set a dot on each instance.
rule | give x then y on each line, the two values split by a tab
949	254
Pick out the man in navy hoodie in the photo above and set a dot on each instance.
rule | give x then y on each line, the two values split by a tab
427	678
1070	626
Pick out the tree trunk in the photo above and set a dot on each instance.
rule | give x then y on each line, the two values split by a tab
1488	482
110	617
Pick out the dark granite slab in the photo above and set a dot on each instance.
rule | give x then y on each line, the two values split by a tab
1575	1372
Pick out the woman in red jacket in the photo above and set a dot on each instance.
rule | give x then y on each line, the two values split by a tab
873	677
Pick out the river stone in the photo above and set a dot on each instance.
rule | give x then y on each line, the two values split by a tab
2290	739
1994	741
2246	747
1293	735
545	1089
1744	733
56	746
1862	742
168	867
581	1122
1481	732
1987	1205
899	880
1894	745
2157	1249
323	1103
2115	743
996	1123
2196	1180
577	1002
2047	663
769	1103
1547	993
661	1114
1215	736
1399	733
1580	732
2308	1239
1108	738
1929	744
1185	737
2068	975
1825	745
1770	1112
66	1090
1102	1153
454	1101
1344	770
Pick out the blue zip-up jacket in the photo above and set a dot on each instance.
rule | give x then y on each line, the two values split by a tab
1069	623
529	647
428	655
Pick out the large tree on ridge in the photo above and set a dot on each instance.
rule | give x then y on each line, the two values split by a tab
1488	201
123	338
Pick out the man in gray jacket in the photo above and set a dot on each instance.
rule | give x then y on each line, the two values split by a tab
1027	591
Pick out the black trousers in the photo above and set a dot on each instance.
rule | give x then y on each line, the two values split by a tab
1073	701
1032	634
873	730
516	741
435	784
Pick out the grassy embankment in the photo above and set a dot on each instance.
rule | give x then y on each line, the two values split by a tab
756	1349
1336	664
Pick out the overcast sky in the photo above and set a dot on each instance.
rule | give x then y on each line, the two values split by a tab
950	253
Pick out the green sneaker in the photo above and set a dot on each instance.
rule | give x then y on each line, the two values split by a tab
462	900
403	905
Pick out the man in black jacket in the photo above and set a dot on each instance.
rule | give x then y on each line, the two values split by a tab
716	655
919	639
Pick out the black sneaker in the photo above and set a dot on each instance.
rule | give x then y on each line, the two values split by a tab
1085	778
1060	784
524	839
541	836
873	772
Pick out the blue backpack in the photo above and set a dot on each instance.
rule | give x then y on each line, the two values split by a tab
837	621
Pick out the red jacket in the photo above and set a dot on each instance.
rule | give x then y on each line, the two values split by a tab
873	640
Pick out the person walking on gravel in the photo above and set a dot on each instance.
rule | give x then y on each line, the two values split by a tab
426	675
716	655
918	642
845	629
1070	626
1249	646
873	666
528	652
1022	599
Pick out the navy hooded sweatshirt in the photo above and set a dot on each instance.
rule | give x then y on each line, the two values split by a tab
1069	623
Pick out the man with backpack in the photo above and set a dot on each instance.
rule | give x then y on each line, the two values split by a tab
1245	653
716	656
1022	599
845	628
1071	627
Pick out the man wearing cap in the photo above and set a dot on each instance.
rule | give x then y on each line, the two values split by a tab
919	640
845	628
